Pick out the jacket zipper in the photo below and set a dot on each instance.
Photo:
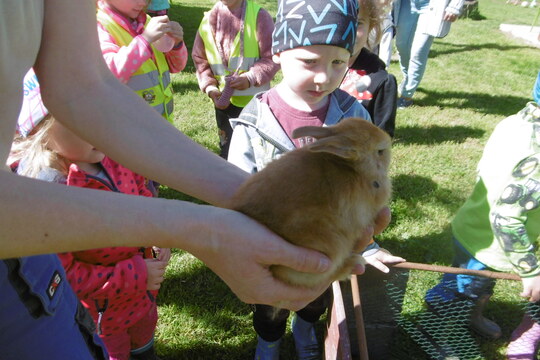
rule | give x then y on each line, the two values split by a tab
108	184
272	141
100	310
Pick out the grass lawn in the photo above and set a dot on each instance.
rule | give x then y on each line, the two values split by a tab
475	77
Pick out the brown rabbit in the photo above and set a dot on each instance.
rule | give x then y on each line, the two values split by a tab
323	195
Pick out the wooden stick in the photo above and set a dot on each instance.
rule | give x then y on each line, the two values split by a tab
360	330
455	270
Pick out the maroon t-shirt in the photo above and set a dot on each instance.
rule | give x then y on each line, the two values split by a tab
291	118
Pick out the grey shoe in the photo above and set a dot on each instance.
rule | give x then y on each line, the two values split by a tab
402	103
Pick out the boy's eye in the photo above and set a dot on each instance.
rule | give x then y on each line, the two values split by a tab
338	62
309	61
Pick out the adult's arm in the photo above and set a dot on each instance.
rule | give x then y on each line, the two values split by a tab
38	217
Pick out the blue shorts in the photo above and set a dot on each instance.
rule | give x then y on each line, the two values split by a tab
40	314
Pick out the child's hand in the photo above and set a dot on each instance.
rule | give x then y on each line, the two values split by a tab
177	32
162	254
156	28
449	16
531	288
382	257
155	269
240	82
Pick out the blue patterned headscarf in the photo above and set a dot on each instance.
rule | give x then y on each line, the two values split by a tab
315	22
536	89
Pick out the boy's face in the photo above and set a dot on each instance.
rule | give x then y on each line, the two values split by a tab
311	73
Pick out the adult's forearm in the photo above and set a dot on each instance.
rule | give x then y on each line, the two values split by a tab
84	96
38	217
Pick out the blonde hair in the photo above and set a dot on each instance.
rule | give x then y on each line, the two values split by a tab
35	152
377	10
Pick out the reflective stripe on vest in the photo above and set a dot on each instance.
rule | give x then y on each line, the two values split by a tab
251	53
152	80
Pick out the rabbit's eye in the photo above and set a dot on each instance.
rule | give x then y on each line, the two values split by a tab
380	152
376	184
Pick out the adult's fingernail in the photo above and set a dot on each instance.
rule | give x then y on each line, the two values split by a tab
324	264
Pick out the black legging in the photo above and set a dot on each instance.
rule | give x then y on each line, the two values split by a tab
270	325
224	127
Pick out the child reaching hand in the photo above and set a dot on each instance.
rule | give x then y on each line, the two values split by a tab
233	59
313	66
117	285
129	39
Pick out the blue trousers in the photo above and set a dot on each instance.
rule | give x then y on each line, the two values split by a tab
413	47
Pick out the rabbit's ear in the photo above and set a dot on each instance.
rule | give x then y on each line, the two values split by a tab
338	145
314	131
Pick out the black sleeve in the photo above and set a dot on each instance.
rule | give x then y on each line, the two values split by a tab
382	107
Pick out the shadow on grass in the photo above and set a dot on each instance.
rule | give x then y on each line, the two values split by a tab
185	87
436	134
205	351
479	102
444	48
200	295
412	190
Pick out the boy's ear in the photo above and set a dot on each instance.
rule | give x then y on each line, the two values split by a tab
276	59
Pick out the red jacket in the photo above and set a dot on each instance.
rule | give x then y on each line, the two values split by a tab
111	280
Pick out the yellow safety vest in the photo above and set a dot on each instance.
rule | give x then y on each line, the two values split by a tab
152	81
251	55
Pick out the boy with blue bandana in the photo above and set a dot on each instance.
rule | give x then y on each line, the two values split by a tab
312	41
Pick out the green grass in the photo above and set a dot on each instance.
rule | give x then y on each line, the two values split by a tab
475	77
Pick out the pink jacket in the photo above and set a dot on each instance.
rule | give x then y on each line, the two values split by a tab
123	61
112	280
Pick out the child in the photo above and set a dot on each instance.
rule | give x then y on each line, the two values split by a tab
158	7
497	228
380	93
117	285
232	56
128	39
307	95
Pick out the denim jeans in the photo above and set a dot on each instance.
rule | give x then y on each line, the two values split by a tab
413	47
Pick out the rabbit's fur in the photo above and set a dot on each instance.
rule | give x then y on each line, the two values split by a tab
323	195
